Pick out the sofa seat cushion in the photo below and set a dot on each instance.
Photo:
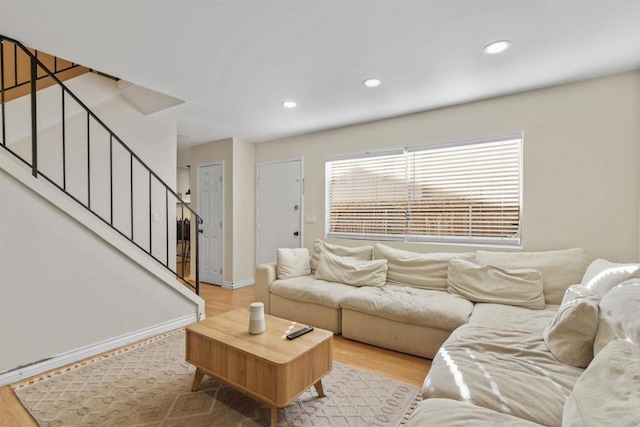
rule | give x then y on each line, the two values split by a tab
311	290
447	412
410	305
507	371
509	317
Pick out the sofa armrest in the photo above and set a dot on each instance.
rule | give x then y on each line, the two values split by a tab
265	275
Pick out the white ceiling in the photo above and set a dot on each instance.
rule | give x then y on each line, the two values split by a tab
235	61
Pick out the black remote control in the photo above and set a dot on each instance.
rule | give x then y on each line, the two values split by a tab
299	332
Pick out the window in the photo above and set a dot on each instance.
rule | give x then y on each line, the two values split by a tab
457	192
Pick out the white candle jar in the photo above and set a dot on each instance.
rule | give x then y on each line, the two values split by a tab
256	318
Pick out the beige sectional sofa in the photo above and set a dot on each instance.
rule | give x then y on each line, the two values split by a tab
504	367
499	357
412	312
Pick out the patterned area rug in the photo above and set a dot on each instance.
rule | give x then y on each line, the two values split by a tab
149	384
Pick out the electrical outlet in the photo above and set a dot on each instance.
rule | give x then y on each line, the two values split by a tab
310	219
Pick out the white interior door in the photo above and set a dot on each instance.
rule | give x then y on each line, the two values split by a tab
279	208
211	209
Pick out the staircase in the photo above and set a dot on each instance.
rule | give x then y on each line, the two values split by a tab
71	148
88	229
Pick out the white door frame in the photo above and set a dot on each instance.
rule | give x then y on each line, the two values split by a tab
198	168
296	159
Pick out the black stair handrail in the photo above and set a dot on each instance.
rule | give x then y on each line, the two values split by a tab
34	64
18	83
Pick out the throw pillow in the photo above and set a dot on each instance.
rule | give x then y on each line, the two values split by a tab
619	317
570	334
320	247
608	392
496	285
352	271
560	269
602	275
292	263
426	270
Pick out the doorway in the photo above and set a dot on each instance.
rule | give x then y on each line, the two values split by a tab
211	209
279	192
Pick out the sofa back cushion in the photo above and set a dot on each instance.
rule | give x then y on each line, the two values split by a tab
607	393
320	247
619	315
560	269
420	270
352	271
292	263
495	285
570	334
602	275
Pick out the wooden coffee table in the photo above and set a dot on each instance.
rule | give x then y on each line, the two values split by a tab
267	367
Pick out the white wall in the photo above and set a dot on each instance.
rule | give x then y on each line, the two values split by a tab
63	288
239	204
244	211
581	156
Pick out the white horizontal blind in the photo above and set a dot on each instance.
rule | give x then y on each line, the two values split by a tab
367	197
468	192
460	192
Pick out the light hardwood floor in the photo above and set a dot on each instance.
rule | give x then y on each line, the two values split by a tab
391	364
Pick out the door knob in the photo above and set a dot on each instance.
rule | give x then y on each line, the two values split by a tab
200	230
295	233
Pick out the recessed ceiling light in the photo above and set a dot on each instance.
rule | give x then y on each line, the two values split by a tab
497	47
289	104
371	82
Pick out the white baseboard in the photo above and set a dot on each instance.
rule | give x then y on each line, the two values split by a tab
94	349
237	285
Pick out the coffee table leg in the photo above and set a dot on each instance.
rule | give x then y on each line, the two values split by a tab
197	378
319	388
274	416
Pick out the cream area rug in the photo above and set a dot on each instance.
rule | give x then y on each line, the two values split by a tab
149	384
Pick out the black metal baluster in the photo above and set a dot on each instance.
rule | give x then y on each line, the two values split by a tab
64	146
180	240
198	221
111	177
131	191
150	217
166	200
34	120
15	64
183	245
88	163
4	133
